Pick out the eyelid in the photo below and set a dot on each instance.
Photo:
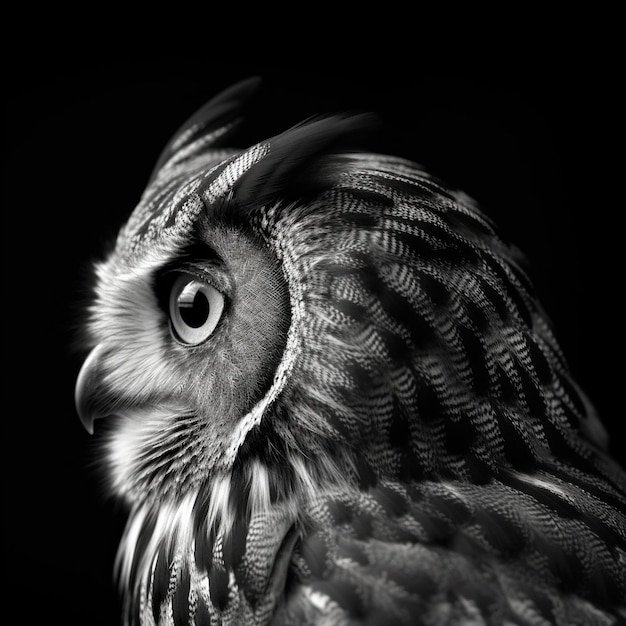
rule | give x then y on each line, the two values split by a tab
210	273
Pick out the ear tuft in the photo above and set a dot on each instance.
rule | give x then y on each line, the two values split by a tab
208	126
298	151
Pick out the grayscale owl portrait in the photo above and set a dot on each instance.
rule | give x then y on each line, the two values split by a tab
323	387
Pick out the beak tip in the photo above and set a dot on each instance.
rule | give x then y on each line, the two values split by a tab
84	391
87	423
84	414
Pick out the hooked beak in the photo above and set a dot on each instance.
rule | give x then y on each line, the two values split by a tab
88	395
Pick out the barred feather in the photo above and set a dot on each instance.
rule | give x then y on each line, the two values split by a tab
383	428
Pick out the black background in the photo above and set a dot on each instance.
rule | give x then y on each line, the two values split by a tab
533	141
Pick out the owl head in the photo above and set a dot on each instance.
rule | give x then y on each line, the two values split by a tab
298	318
201	319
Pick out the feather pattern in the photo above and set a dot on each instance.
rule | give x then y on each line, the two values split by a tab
382	429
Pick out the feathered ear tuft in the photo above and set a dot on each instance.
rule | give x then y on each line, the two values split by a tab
208	126
296	151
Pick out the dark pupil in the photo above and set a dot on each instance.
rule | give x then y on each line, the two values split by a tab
194	307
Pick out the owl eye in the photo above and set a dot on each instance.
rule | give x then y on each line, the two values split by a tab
195	309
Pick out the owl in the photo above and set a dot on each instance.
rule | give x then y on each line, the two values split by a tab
326	393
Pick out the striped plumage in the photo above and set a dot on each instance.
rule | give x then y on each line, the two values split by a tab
381	429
